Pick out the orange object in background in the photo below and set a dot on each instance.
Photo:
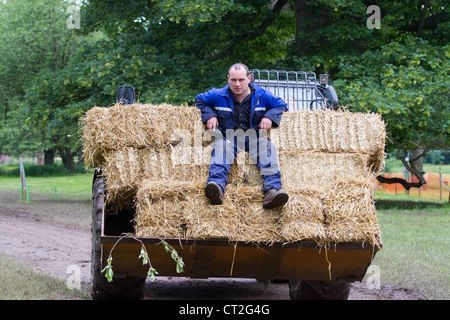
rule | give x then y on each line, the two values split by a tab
437	186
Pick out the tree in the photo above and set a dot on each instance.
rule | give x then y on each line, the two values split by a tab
328	29
209	31
33	37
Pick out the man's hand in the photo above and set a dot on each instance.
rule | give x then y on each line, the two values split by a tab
265	123
212	124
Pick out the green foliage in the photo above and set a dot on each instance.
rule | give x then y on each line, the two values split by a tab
407	83
33	37
108	270
165	54
17	137
437	157
331	28
194	12
174	255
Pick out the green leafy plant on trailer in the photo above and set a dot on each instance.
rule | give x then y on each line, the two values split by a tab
108	269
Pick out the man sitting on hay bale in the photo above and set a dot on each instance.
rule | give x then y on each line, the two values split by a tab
242	111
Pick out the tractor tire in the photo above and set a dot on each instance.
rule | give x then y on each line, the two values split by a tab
318	290
129	288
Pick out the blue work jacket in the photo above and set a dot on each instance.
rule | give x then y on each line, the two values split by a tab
219	103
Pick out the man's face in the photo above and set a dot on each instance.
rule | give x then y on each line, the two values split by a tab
239	81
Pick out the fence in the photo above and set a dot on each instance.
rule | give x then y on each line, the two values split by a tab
437	186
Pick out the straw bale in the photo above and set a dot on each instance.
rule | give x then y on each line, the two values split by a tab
138	126
244	173
319	170
122	167
306	176
161	206
164	164
303	216
330	131
121	170
125	169
350	212
159	218
204	221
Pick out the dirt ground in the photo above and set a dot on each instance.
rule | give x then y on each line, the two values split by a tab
59	249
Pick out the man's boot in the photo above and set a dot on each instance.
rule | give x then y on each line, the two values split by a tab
275	198
214	193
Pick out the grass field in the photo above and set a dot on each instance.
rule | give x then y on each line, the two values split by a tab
71	205
415	234
21	282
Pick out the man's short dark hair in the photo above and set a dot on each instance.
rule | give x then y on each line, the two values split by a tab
238	66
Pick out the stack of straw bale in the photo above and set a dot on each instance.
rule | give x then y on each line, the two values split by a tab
156	161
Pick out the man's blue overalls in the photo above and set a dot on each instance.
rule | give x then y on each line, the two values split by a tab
229	141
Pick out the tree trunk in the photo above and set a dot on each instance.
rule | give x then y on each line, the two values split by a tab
417	160
301	43
423	16
49	157
67	159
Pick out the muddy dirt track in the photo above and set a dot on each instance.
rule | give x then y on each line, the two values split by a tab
59	249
